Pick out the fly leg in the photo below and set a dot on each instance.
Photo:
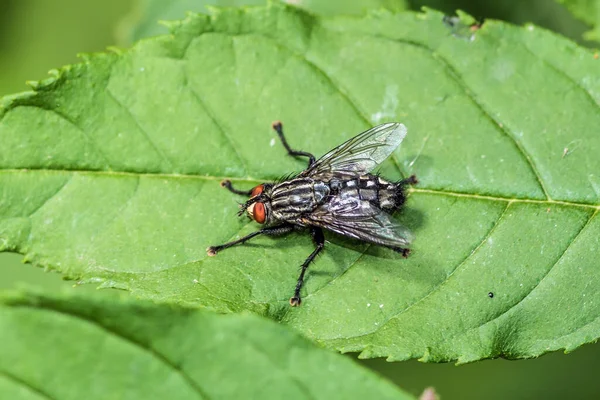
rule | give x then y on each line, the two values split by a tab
271	231
319	239
404	251
227	185
411	180
279	129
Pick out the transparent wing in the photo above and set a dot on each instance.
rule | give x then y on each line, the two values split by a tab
359	219
362	153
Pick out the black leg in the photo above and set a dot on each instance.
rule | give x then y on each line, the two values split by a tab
272	231
227	185
405	252
279	129
319	239
411	180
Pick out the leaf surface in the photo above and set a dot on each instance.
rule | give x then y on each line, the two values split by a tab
92	346
111	169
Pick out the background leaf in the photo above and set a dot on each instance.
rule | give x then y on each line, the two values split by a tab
143	22
589	12
73	347
36	36
122	184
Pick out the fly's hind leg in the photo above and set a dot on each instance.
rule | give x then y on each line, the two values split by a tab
404	251
319	239
227	185
279	129
411	180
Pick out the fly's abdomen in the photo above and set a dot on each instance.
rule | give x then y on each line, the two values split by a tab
293	198
379	192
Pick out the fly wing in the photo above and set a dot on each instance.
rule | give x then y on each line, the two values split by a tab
361	220
362	153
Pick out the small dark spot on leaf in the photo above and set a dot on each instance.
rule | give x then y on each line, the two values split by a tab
491	295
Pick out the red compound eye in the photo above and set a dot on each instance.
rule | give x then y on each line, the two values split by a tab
257	190
258	213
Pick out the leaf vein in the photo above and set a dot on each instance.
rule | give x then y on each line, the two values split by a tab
345	94
118	213
156	149
578	85
60	189
454	75
331	282
87	137
25	384
219	126
584	226
446	280
260	349
146	348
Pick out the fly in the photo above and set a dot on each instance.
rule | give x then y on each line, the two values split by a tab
337	192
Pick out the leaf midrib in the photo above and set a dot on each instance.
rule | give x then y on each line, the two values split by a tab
255	180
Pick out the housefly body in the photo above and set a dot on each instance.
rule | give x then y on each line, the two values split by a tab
337	192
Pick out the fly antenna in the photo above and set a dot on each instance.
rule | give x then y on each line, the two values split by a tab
260	197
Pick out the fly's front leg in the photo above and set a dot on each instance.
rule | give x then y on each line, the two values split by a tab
319	239
271	231
279	129
227	185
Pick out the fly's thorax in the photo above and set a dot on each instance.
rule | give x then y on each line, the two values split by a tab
292	198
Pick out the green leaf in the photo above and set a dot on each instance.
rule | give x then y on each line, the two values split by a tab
111	169
143	22
74	347
587	11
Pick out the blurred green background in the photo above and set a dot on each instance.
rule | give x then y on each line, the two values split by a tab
38	35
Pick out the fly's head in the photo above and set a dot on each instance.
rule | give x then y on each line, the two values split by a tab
259	206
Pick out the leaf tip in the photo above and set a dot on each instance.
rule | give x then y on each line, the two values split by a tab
428	13
426	357
34	85
116	50
170	25
366	353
